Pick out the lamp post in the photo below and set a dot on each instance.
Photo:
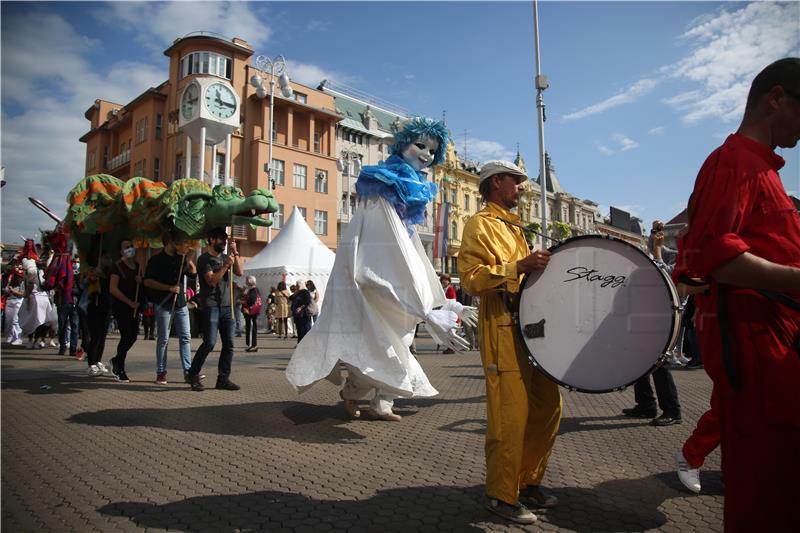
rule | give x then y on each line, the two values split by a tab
273	67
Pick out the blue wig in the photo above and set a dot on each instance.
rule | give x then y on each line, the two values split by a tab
418	127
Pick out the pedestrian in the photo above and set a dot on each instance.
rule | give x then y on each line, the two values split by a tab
282	309
314	306
216	307
124	286
251	308
301	310
744	240
270	312
15	291
523	407
148	320
450	294
165	276
98	314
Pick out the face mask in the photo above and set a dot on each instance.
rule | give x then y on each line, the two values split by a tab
420	153
219	247
127	253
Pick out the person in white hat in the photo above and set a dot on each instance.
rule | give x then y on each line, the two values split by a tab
523	406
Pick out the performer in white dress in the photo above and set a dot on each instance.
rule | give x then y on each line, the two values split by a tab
382	285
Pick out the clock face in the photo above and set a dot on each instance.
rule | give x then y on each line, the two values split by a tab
189	101
220	100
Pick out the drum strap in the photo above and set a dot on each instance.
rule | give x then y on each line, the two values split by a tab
731	370
509	302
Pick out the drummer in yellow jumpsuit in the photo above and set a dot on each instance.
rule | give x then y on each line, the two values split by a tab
523	406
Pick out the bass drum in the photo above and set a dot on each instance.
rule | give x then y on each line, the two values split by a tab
600	316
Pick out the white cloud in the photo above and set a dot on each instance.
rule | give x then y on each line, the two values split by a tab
625	143
317	25
481	150
166	21
728	49
311	75
605	150
658	130
634	92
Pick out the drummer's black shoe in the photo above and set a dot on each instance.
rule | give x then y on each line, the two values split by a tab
640	412
535	498
666	420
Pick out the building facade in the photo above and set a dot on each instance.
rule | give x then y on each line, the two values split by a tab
161	135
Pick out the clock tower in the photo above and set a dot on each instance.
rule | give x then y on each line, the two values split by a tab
209	108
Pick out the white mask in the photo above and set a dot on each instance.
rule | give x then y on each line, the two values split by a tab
420	153
127	253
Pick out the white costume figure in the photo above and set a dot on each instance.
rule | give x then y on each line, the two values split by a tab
37	308
15	292
382	285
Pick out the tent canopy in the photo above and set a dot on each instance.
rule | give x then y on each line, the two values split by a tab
296	254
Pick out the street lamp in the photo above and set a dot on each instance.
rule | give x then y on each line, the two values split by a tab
273	67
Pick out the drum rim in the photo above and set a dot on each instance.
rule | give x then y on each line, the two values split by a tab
535	364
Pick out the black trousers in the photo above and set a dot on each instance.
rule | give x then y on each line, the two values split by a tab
251	330
666	391
128	324
303	323
98	317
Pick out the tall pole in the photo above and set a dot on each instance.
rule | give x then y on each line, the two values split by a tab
541	85
269	163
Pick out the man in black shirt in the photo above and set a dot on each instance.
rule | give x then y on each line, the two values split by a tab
164	277
216	308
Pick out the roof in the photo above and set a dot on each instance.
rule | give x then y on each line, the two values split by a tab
359	126
352	109
296	249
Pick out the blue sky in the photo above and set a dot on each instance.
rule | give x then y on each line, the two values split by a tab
640	92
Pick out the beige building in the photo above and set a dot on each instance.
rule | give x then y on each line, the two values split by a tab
207	122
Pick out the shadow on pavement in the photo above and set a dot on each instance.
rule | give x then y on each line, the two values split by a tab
593	423
62	384
446	508
282	420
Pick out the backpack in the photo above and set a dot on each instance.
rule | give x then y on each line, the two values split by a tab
255	309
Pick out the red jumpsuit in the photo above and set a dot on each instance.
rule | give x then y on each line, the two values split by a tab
739	205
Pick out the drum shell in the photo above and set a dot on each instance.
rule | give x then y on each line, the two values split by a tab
598	336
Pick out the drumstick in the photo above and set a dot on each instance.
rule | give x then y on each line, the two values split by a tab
524	228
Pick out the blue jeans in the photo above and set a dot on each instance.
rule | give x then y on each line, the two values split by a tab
213	319
181	323
68	316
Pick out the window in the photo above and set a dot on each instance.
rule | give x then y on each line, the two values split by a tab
320	222
453	264
278	171
466	201
138	168
156	169
178	166
299	176
277	217
141	130
92	159
105	157
302	212
205	63
159	125
321	181
274	131
453	198
300	97
453	231
220	168
317	147
121	147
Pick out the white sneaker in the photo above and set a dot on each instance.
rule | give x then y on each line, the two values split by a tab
53	343
103	369
40	344
690	477
94	371
16	342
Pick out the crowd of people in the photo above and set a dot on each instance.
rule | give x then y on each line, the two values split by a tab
169	295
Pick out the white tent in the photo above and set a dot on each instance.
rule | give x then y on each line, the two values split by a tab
296	254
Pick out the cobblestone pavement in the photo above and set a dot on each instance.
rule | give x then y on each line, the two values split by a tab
92	454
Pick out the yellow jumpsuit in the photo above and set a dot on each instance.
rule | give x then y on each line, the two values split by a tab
523	407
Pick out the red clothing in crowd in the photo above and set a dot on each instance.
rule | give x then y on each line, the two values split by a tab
450	292
739	205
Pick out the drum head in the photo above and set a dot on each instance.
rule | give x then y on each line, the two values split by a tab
599	316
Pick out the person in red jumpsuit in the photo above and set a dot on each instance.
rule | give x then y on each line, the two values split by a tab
744	239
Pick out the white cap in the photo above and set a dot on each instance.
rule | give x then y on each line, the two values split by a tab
491	168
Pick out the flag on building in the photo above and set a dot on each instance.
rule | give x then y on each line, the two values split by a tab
440	232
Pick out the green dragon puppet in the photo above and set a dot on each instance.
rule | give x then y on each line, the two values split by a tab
103	209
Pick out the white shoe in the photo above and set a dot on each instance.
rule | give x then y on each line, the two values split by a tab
690	477
94	371
40	344
53	343
16	342
103	369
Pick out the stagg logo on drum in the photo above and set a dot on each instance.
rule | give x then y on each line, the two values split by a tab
593	276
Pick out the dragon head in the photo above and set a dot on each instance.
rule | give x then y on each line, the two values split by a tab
229	205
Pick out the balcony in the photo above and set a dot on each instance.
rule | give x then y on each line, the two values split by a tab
117	161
